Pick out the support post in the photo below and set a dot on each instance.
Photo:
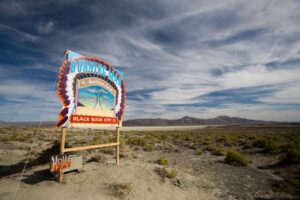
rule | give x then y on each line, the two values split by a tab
118	145
62	150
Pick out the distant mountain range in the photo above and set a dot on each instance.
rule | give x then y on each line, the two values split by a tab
184	121
191	121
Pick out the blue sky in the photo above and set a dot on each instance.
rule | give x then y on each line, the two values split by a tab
196	58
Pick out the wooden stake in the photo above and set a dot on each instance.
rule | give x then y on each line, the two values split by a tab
118	146
61	150
62	141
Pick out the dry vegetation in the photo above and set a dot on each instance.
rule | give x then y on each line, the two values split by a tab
120	190
235	145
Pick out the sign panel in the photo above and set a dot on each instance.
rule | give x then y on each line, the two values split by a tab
92	93
65	163
59	163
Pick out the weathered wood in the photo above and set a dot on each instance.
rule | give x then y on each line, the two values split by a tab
61	150
118	146
90	147
62	140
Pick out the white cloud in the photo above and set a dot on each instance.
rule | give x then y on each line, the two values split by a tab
28	101
178	51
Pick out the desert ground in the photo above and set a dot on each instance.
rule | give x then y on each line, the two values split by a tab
215	162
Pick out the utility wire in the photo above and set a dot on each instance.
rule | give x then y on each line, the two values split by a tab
23	103
34	139
35	136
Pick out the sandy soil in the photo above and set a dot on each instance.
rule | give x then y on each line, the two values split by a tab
93	181
203	176
199	177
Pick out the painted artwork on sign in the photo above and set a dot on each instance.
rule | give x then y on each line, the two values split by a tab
59	163
91	91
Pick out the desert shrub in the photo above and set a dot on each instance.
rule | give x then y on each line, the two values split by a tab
149	147
4	138
273	144
192	146
19	138
216	150
120	190
171	173
163	161
227	140
251	137
124	148
260	142
163	137
98	158
112	139
291	155
269	143
187	138
138	141
109	151
199	152
97	141
149	138
233	157
290	186
247	144
166	173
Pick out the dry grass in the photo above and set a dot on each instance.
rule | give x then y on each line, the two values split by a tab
290	186
171	173
199	152
149	147
163	161
233	157
291	154
120	190
98	158
166	173
266	140
216	150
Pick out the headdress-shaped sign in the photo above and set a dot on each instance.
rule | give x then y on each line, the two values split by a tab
91	91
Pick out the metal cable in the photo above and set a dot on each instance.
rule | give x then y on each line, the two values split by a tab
34	139
35	136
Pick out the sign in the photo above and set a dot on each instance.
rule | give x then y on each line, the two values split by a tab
58	163
91	91
65	163
92	119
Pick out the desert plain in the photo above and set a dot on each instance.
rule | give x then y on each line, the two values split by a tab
210	162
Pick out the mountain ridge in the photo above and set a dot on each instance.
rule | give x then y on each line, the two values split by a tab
184	121
190	121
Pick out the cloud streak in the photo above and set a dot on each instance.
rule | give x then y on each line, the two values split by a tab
199	58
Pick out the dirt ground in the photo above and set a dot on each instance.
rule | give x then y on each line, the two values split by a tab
203	176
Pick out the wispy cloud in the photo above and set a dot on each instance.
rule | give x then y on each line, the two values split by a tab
199	58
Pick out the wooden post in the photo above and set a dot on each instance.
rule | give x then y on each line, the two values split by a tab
62	150
118	145
90	147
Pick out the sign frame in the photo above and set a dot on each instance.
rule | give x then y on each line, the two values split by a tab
67	120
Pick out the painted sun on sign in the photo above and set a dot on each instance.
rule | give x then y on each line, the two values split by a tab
91	91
